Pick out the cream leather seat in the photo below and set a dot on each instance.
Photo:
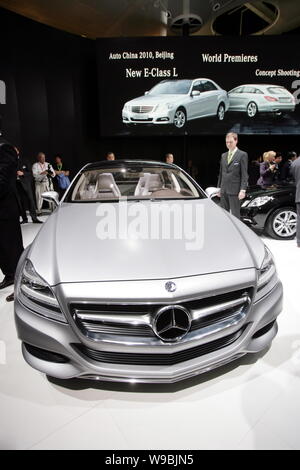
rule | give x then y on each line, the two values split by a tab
106	186
154	183
141	187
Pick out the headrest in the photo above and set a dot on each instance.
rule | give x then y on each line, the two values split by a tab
106	182
155	183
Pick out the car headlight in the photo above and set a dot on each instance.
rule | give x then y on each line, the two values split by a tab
37	295
258	201
126	107
267	269
164	106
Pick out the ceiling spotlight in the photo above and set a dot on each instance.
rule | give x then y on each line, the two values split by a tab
216	6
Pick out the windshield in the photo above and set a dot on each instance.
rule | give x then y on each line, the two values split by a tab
176	87
132	182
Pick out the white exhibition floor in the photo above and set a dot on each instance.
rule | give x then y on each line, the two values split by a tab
253	403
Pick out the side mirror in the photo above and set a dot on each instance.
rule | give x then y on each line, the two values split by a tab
51	196
195	93
212	191
146	92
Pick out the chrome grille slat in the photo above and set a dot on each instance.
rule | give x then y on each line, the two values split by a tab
118	330
196	325
197	314
142	109
116	317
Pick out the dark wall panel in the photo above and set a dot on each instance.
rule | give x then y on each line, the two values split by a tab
31	96
47	74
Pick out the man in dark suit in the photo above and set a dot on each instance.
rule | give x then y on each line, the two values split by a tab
295	172
233	176
286	169
24	188
11	245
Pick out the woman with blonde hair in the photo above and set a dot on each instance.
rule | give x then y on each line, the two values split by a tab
267	169
269	156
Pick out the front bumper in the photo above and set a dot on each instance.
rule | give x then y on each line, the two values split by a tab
254	332
154	117
255	216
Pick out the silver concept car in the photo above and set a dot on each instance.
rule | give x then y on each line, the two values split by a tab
176	102
254	99
138	276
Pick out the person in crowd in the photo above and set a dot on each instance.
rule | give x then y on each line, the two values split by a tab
110	156
25	193
254	171
192	170
11	244
286	175
295	172
169	158
278	163
267	170
62	181
42	173
233	176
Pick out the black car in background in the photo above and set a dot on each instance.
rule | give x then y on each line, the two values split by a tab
272	210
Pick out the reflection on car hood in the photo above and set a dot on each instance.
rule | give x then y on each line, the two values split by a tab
257	191
153	100
67	248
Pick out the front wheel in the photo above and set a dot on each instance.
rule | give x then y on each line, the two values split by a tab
282	224
180	118
252	109
221	112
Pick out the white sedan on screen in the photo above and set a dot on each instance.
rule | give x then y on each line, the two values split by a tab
176	102
254	99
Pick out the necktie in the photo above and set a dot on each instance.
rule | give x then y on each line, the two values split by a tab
229	157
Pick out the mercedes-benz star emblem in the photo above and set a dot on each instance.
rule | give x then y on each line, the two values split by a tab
172	323
170	286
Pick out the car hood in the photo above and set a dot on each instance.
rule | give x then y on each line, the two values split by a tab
153	100
257	191
67	248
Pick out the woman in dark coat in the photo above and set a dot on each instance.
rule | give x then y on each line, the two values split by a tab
267	170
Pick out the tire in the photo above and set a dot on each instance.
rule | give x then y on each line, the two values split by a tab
221	112
282	223
252	109
180	118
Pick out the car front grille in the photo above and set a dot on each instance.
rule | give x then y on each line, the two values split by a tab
159	359
142	109
132	320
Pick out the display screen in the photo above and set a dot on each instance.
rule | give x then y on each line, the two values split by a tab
199	85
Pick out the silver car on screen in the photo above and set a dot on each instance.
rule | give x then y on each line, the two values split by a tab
138	276
254	99
176	102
